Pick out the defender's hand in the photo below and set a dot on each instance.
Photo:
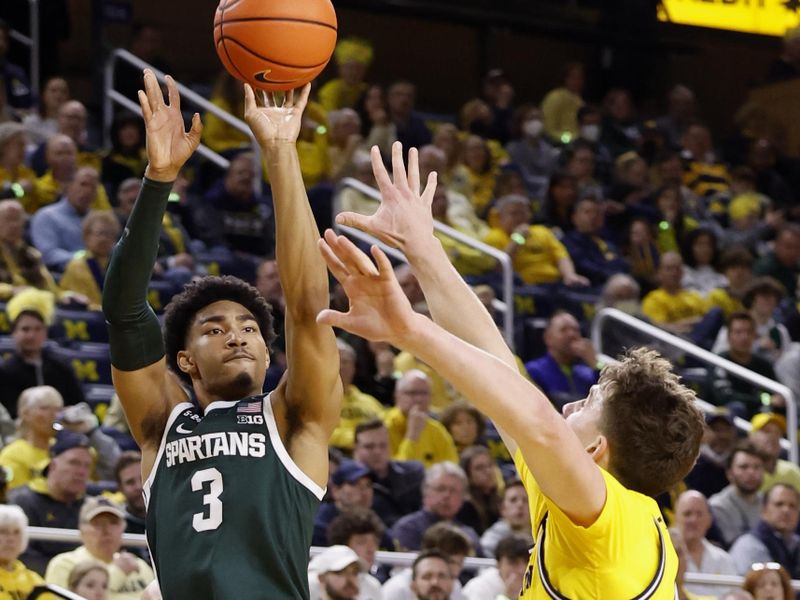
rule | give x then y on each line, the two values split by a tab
404	218
273	124
169	145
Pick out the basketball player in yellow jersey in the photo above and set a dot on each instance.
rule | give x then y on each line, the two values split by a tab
591	473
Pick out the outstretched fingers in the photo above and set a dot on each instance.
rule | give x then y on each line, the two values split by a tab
398	168
353	259
303	100
336	267
173	94
381	174
413	171
249	99
154	96
144	103
385	268
430	188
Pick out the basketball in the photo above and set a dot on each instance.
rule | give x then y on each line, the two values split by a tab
275	45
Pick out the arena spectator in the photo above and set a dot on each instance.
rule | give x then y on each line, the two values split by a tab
56	229
773	538
56	502
569	367
579	161
16	88
101	525
766	581
339	575
446	138
700	253
344	139
443	495
681	109
42	123
736	508
767	430
127	157
736	265
16	179
475	175
232	215
357	406
86	271
642	253
89	579
353	57
505	580
514	518
21	264
498	92
482	505
396	484
413	434
703	174
464	423
361	530
621	131
228	95
594	254
450	542
16	580
411	129
128	475
670	305
32	363
529	149
693	520
560	106
729	389
538	257
783	262
708	474
72	121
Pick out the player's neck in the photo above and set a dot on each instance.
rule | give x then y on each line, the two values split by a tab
206	398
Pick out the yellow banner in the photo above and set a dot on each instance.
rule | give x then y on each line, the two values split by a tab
765	17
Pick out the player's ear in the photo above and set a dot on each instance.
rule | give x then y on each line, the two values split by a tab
185	362
598	450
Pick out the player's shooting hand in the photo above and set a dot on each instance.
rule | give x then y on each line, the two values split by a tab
404	218
379	310
169	145
272	124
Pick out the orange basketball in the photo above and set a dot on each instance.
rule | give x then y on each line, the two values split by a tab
275	44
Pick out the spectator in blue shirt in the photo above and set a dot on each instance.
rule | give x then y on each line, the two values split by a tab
594	256
569	368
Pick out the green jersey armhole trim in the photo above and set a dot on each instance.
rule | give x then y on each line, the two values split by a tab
286	460
170	422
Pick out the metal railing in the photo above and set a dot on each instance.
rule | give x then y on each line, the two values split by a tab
112	96
32	42
505	305
394	559
705	356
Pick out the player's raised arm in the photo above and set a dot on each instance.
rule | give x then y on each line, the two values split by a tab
404	220
311	388
139	370
563	468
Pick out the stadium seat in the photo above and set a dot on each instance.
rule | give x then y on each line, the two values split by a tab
90	361
5	325
6	346
75	326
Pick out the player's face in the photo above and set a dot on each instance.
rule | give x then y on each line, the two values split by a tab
225	352
102	536
365	545
372	449
584	416
342	585
432	580
10	542
130	484
93	586
514	507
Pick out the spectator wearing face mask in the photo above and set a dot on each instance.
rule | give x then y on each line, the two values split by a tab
530	150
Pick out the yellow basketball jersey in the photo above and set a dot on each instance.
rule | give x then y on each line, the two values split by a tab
625	555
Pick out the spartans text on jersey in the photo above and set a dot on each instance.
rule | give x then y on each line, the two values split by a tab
208	445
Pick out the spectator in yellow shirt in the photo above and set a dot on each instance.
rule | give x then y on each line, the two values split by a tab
671	306
560	106
12	155
413	434
537	255
353	57
16	580
227	95
475	175
357	406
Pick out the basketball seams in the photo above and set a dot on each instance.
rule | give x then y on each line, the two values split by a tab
282	19
221	40
264	58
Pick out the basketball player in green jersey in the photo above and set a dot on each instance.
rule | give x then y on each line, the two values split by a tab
233	482
590	473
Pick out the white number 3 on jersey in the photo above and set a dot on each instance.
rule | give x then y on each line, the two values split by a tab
201	522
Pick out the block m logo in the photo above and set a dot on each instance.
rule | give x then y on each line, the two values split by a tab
76	330
85	370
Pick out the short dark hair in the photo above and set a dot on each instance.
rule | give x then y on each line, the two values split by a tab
447	539
651	423
27	313
126	459
763	286
368	425
736	256
352	522
197	295
510	485
773	487
427	554
513	547
450	413
744	447
741	315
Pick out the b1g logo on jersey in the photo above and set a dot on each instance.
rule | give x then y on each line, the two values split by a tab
250	419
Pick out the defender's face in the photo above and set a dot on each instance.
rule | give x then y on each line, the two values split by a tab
583	416
225	352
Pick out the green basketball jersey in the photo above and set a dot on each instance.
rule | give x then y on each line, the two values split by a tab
229	514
